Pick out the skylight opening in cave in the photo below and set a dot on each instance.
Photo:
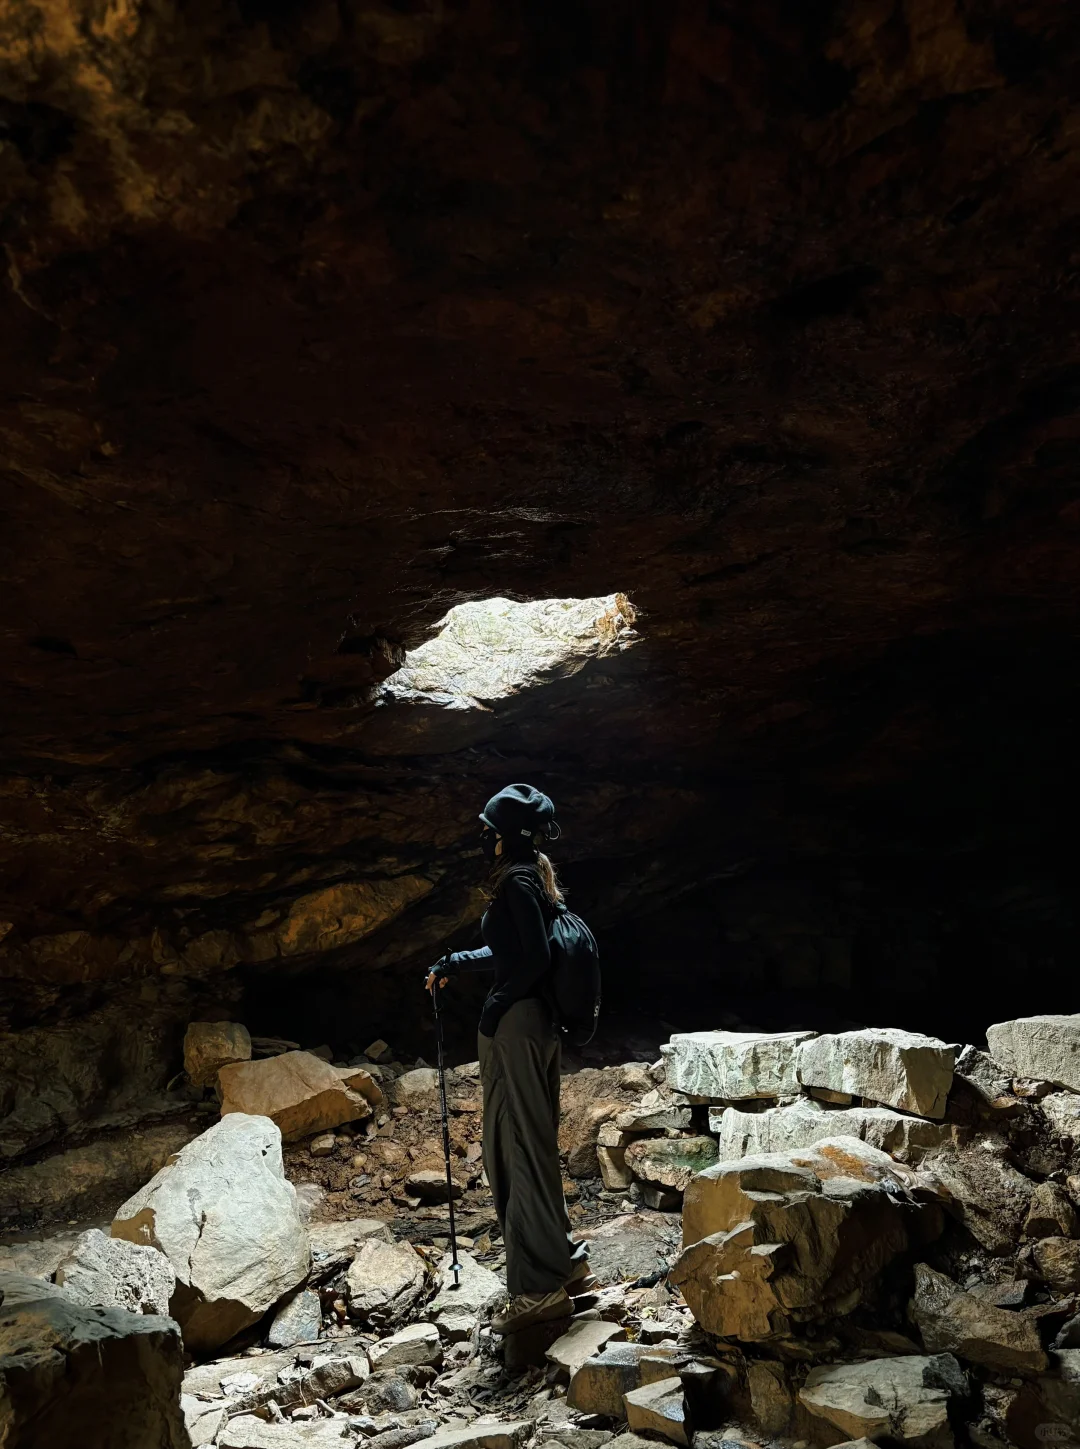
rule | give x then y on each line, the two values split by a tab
492	649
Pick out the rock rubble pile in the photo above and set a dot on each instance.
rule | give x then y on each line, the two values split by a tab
799	1240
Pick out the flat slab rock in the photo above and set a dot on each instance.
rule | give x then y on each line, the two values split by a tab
635	1245
509	1435
905	1398
298	1091
1046	1048
804	1122
246	1431
115	1375
733	1065
581	1340
897	1068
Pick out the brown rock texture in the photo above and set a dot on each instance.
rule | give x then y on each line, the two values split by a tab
320	319
297	1091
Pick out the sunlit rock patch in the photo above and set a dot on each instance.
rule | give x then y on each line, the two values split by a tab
493	649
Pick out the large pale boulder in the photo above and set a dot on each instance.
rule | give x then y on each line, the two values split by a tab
903	1398
225	1217
385	1282
952	1321
1046	1048
106	1272
99	1378
898	1068
790	1237
299	1092
733	1065
211	1045
804	1122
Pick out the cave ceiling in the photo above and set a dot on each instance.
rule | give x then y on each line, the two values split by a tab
320	318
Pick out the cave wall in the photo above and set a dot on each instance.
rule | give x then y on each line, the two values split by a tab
320	318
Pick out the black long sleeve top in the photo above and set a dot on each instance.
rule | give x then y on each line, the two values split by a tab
516	945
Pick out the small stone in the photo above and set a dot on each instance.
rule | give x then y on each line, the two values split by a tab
1051	1213
580	1341
770	1397
211	1045
385	1282
458	1327
1058	1261
430	1186
636	1077
653	1114
298	1320
661	1199
418	1343
415	1090
614	1173
323	1145
378	1051
659	1408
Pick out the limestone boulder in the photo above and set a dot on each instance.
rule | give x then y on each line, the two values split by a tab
109	1272
785	1238
101	1378
670	1161
211	1045
896	1068
384	1283
733	1065
953	1321
805	1121
1062	1112
1046	1048
224	1215
887	1398
299	1092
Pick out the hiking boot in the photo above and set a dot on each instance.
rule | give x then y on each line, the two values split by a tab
581	1280
529	1308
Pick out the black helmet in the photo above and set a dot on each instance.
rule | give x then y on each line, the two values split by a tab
519	813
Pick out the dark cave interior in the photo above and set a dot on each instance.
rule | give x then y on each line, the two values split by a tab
321	319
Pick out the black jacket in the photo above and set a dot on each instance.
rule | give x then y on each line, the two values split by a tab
516	945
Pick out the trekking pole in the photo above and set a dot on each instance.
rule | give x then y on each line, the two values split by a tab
455	1266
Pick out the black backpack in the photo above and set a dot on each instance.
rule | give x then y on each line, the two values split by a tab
575	976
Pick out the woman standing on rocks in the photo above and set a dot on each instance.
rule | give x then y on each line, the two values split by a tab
520	1061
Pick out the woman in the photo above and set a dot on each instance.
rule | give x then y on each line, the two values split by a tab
519	1061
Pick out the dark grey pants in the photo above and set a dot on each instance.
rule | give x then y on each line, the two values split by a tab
519	1069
